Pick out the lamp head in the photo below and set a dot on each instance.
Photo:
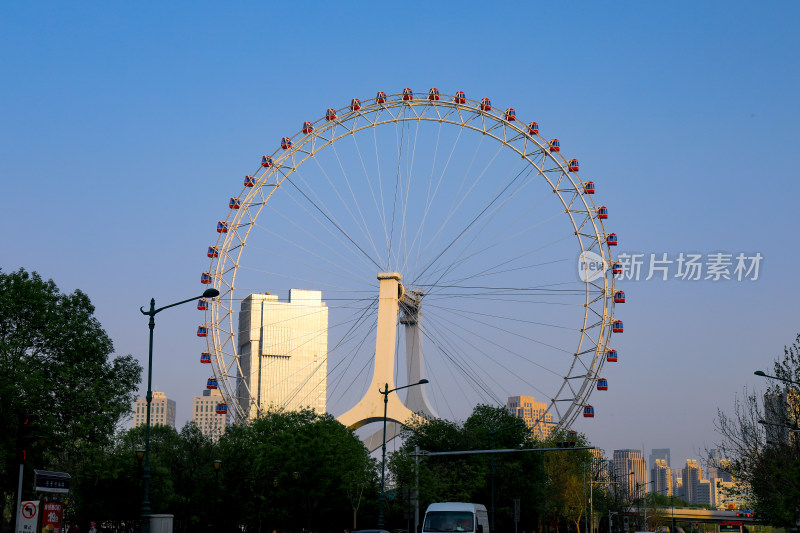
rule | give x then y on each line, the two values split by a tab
139	455
210	293
217	464
423	381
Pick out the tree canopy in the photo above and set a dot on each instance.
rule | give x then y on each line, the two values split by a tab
56	363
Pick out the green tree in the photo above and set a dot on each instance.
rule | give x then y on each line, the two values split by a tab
291	470
56	362
760	450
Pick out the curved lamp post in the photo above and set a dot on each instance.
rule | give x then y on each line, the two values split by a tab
385	393
208	293
763	375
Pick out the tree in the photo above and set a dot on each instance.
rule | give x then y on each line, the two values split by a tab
56	362
760	450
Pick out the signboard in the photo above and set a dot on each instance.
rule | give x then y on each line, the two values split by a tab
51	517
27	516
52	482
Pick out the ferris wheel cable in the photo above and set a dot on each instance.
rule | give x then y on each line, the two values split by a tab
396	185
489	271
463	367
456	206
515	354
364	227
332	222
378	210
465	230
356	324
459	260
504	318
324	244
430	197
327	211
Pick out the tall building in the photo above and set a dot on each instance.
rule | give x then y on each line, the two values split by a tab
204	414
716	466
630	472
162	411
532	413
283	349
599	467
692	475
661	477
659	453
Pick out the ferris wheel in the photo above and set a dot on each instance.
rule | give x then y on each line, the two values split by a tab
438	215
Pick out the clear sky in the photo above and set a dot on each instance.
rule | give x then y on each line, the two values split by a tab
124	129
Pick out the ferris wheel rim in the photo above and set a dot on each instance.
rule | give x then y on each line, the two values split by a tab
445	112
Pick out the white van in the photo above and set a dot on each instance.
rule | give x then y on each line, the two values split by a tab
455	516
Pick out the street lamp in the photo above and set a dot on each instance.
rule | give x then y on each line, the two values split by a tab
763	375
492	434
385	393
792	429
208	293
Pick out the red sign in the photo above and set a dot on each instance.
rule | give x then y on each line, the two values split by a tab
51	517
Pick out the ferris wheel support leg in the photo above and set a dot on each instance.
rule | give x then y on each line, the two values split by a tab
371	407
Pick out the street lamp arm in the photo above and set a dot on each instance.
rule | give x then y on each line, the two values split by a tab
763	375
420	382
209	293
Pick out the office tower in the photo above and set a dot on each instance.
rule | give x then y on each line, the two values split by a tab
599	467
692	474
630	472
532	413
206	416
661	477
659	453
162	411
283	349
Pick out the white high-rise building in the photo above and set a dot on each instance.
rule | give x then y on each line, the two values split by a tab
283	348
162	411
204	414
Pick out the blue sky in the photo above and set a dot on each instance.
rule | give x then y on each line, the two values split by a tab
126	128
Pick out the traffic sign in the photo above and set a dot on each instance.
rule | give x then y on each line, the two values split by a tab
26	517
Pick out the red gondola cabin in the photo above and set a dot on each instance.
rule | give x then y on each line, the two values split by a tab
588	411
573	165
588	188
602	384
602	212
355	104
611	240
307	127
510	115
330	114
533	128
222	409
408	94
266	161
286	143
619	297
486	104
212	251
249	181
205	278
433	94
611	356
381	97
616	327
202	331
205	358
222	227
555	146
211	383
460	98
235	203
202	304
616	268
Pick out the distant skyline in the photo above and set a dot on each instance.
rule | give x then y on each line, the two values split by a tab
127	128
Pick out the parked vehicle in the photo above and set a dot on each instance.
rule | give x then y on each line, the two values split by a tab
456	516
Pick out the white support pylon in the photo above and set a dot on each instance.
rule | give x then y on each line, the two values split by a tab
370	407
